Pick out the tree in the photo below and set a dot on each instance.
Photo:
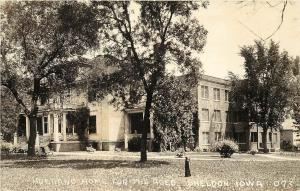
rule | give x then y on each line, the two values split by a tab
142	43
42	45
265	93
9	110
174	109
282	4
296	89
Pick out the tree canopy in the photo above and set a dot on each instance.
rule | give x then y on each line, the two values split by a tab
142	42
42	45
265	92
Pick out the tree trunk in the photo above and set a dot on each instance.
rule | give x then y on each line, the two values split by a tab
33	117
264	139
32	135
146	126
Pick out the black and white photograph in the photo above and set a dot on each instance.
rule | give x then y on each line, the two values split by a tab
150	95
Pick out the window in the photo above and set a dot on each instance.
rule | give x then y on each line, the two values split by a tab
226	95
270	137
70	129
205	115
204	92
22	126
59	126
39	125
254	137
92	124
227	116
46	125
216	94
205	138
136	123
217	115
275	137
217	136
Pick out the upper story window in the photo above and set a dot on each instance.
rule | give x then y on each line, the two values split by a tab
205	115
217	116
216	94
226	95
204	92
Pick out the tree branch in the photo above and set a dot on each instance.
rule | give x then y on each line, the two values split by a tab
281	21
127	35
16	95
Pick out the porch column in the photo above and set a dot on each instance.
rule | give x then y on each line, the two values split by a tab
126	126
15	139
49	124
27	128
64	126
37	139
55	128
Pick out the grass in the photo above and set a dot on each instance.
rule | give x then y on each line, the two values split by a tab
93	172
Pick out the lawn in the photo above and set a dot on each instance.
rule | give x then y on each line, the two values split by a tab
95	172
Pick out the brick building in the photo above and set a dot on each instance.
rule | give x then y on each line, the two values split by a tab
109	128
219	118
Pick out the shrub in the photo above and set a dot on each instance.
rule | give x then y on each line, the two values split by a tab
225	147
253	152
134	144
286	145
6	147
180	152
197	149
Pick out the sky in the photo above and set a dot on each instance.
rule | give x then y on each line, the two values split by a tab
229	26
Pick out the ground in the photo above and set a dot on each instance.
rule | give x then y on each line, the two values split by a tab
121	171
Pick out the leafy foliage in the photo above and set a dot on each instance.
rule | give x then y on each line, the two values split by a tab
79	118
42	46
225	147
134	144
173	118
142	43
9	110
265	93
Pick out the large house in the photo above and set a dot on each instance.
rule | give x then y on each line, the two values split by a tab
109	128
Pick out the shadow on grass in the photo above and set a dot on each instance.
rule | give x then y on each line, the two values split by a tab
82	164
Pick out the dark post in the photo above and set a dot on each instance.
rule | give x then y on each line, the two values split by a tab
187	167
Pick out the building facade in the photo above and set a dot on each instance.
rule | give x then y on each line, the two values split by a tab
219	118
109	128
290	132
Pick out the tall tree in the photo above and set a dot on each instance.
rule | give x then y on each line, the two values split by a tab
296	89
174	113
265	93
9	112
43	42
144	41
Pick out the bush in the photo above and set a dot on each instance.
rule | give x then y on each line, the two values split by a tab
6	147
134	144
287	146
253	152
225	147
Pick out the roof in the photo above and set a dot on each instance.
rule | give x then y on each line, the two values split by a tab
215	80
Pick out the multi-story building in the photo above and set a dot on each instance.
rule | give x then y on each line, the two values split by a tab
109	128
220	118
